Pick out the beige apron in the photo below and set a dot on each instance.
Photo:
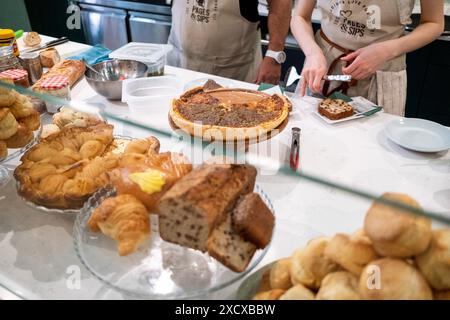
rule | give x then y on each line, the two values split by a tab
354	24
211	36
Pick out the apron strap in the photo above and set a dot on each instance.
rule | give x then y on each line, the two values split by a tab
344	86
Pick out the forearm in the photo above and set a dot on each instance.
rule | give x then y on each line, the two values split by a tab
424	34
431	26
278	23
301	27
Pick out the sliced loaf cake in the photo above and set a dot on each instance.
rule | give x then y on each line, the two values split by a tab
199	201
230	248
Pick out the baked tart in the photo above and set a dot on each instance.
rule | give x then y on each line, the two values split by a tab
224	114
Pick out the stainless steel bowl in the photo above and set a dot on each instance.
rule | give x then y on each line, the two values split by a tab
113	72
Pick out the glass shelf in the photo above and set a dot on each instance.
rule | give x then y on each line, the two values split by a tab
343	170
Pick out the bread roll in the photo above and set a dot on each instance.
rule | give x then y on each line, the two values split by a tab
3	150
395	232
309	265
351	253
393	279
269	295
8	124
434	263
33	121
298	292
21	138
32	39
340	285
280	276
7	96
49	57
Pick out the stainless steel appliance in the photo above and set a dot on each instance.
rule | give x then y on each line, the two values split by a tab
114	23
104	25
146	27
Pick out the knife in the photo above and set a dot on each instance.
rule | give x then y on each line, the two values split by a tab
292	76
48	45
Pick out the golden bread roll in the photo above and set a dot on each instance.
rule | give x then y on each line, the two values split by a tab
7	96
142	146
351	253
340	285
21	138
264	284
22	107
309	265
269	295
442	295
32	39
434	263
8	124
298	292
395	232
393	279
280	277
3	150
123	218
33	121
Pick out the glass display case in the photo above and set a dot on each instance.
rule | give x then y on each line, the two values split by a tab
343	169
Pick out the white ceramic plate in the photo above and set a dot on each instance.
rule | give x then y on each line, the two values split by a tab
418	134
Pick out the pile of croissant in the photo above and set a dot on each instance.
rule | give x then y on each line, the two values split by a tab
18	120
396	256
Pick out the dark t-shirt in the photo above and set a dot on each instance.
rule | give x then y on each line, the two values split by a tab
249	10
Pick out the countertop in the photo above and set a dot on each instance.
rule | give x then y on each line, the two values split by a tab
37	248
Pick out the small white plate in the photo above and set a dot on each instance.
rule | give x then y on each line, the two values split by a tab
418	135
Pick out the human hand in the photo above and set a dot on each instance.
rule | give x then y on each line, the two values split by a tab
366	61
269	71
314	70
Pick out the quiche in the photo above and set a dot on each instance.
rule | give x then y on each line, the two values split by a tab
222	114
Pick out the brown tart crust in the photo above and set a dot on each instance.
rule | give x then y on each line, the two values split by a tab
228	114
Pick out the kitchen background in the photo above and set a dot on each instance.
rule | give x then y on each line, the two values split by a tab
113	23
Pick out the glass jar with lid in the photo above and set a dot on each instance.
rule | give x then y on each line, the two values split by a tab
8	59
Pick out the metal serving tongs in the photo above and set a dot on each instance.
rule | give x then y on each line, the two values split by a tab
292	77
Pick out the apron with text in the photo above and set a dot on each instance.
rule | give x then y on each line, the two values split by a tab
211	36
348	25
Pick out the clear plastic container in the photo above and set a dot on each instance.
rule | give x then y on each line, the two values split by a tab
153	55
151	97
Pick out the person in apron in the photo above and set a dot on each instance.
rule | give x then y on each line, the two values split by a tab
213	36
364	39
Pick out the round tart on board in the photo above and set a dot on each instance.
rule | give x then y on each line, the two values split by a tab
224	114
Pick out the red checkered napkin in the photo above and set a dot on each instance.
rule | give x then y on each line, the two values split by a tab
56	82
14	74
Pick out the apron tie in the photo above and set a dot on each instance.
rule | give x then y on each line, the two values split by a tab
344	86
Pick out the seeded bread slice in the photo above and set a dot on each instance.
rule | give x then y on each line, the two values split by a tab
254	220
335	109
199	201
230	248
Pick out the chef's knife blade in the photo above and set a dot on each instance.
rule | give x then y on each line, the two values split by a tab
48	45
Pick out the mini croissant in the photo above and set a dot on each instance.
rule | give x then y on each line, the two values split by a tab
124	219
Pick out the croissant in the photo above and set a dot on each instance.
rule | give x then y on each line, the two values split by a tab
124	219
